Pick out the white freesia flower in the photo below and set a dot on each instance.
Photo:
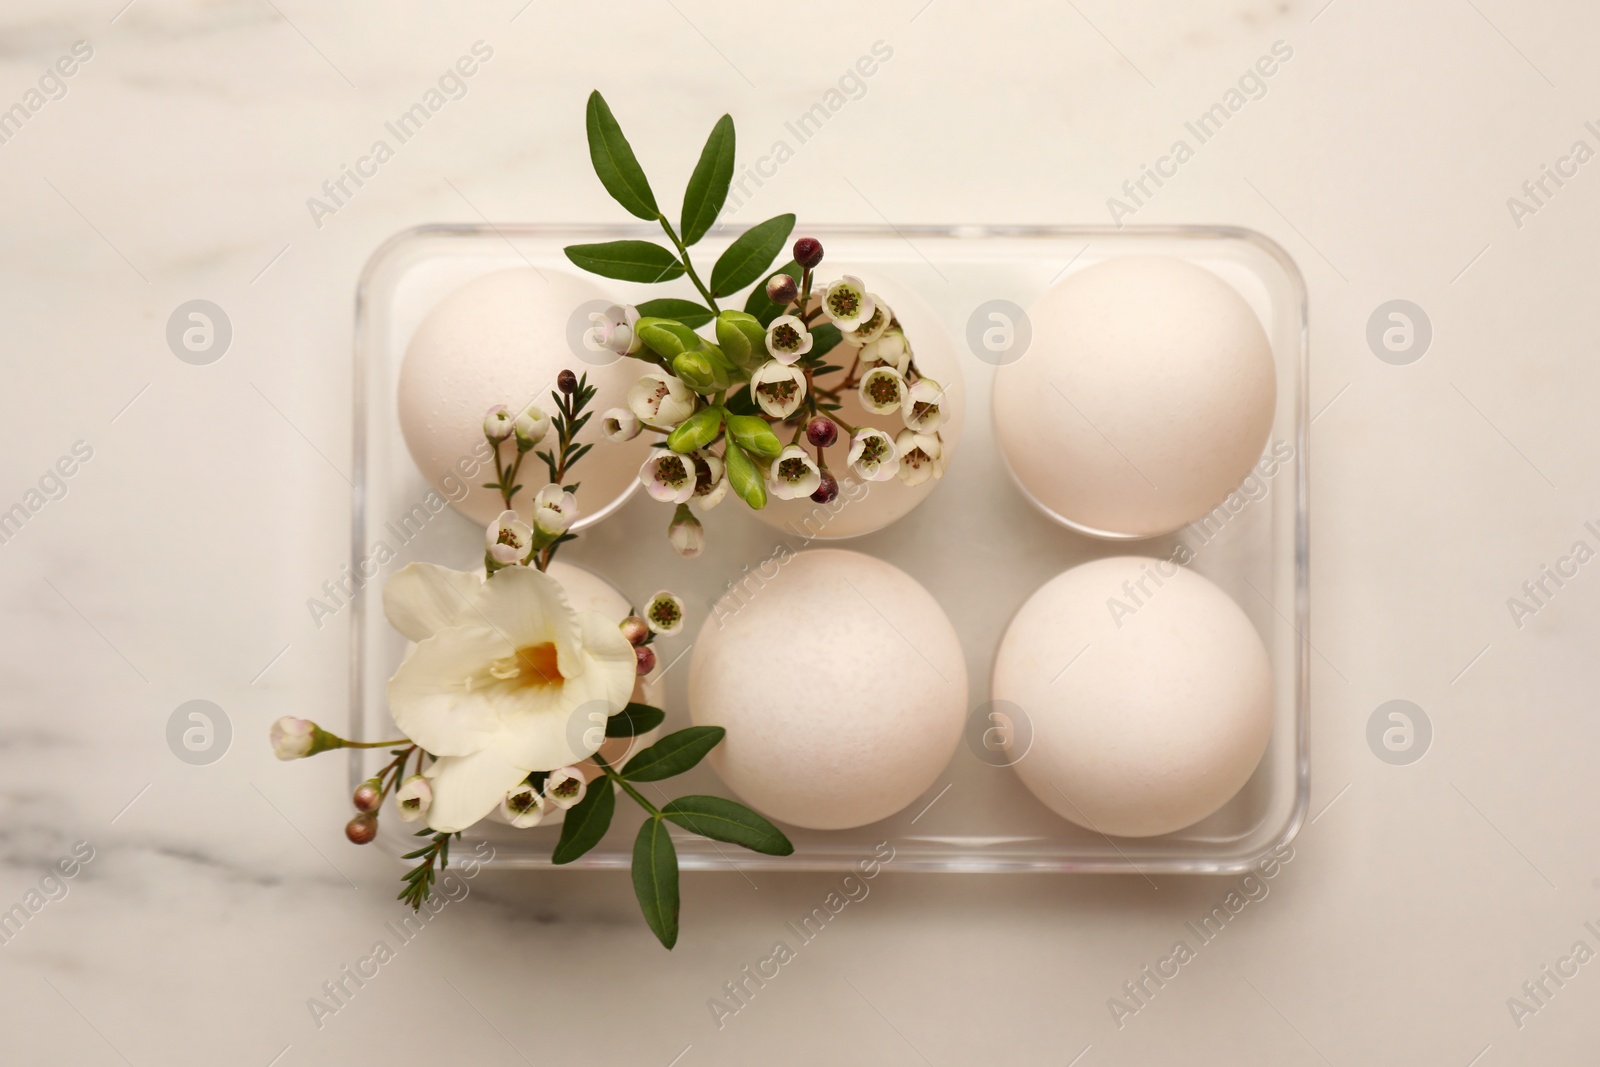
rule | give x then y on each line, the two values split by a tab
921	408
778	389
509	539
615	330
872	328
921	456
530	427
413	798
664	614
788	339
660	400
847	303
554	510
891	350
883	390
566	786
620	424
873	455
523	806
496	679
668	476
710	479
794	474
498	423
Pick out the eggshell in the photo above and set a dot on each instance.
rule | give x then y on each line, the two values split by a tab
841	684
865	507
1148	693
502	339
1145	398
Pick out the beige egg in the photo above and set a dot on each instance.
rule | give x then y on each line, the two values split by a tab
502	339
1145	397
863	507
1146	694
841	684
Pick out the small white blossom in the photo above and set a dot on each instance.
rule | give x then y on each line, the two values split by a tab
554	510
508	539
883	390
664	614
660	400
794	474
873	455
413	798
523	806
872	328
668	477
778	389
498	423
565	787
684	532
847	303
890	350
620	424
921	456
530	427
292	738
615	330
922	409
788	339
710	479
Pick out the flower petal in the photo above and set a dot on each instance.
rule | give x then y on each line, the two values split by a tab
423	598
466	788
430	696
528	607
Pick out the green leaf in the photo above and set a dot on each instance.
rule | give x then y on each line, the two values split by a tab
745	477
687	312
755	436
743	339
587	821
629	261
633	720
708	185
750	255
655	880
673	754
739	403
757	303
823	339
615	163
697	431
667	337
725	820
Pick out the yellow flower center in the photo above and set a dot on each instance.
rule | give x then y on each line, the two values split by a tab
534	665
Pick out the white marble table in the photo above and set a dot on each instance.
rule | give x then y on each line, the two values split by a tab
208	904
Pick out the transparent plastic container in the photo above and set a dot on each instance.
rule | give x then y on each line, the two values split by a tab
977	544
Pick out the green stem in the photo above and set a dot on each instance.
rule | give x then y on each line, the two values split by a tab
611	773
683	254
376	744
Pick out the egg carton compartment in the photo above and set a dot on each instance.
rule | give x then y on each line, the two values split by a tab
976	543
